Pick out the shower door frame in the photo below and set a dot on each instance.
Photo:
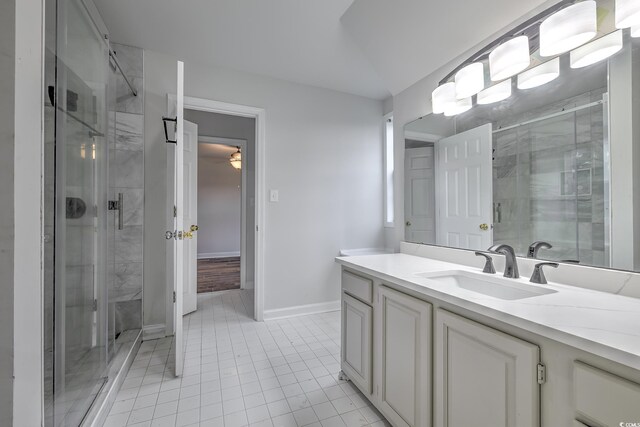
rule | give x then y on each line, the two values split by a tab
96	182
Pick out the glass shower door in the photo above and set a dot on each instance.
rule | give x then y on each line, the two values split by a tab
79	289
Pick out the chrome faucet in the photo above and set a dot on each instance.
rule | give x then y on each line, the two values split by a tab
511	264
535	247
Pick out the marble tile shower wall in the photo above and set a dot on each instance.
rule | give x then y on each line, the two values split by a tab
126	176
548	180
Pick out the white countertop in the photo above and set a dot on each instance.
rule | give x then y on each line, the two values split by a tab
607	325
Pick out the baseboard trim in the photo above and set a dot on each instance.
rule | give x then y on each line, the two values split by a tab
218	255
301	310
153	332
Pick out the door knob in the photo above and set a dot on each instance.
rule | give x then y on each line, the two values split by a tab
484	227
194	228
408	223
187	235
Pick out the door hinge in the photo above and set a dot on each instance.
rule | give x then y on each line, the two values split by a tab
542	374
174	296
95	305
175	211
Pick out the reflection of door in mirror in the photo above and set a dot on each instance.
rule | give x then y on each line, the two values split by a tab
419	199
448	183
464	189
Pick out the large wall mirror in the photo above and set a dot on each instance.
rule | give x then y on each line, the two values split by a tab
557	164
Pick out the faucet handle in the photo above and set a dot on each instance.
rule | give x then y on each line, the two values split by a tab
538	274
488	265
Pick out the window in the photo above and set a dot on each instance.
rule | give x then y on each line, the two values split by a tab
388	171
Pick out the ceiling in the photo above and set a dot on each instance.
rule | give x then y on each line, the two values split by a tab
407	40
294	40
215	151
371	48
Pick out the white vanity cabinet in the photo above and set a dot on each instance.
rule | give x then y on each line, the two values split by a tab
483	377
357	325
425	360
403	358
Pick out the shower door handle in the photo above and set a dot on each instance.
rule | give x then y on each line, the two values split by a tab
118	205
120	211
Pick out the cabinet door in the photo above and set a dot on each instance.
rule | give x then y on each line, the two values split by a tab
356	342
403	324
602	398
483	377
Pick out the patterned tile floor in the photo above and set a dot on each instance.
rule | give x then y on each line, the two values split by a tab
237	372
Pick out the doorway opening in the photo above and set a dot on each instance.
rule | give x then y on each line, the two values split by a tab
224	249
222	199
182	297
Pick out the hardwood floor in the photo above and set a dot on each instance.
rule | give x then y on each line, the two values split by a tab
218	274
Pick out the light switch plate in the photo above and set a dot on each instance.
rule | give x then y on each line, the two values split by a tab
274	196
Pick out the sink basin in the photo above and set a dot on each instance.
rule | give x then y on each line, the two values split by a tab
492	286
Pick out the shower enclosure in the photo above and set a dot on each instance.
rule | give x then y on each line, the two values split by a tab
79	229
551	181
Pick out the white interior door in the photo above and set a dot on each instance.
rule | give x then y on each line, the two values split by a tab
190	216
175	212
419	198
464	189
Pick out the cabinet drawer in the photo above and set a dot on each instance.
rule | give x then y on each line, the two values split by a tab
604	399
357	286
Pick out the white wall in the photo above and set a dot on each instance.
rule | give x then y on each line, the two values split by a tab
219	197
7	71
324	155
28	193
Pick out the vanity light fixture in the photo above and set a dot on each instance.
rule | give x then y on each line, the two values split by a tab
469	80
635	31
509	58
596	50
442	96
236	159
627	13
569	28
458	107
539	75
497	92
